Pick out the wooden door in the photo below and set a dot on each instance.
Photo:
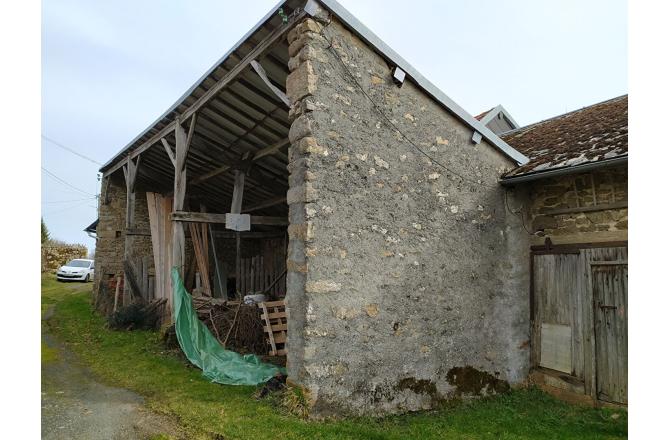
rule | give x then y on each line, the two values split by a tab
610	288
557	310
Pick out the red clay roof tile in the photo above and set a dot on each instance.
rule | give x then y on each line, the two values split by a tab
591	134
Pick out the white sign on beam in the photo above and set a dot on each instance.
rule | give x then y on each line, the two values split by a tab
237	222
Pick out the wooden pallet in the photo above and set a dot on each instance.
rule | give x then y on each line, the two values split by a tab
275	326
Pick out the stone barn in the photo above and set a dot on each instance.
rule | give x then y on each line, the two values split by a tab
577	213
316	166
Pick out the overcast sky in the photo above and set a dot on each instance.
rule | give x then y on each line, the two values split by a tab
109	69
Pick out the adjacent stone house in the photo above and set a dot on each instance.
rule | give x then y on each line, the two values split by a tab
314	146
577	215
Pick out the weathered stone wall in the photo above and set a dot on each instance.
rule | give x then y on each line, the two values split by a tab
141	245
55	255
407	283
111	231
110	243
606	191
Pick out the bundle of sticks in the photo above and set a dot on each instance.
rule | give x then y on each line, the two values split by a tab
236	325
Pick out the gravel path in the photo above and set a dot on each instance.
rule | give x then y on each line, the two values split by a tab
76	406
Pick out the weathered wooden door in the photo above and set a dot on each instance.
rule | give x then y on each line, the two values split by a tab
610	287
557	309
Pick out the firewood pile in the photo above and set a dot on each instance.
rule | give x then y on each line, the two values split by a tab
237	326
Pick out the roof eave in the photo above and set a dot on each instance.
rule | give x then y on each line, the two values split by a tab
196	84
564	171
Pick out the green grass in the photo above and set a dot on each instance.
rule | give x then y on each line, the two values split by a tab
137	361
48	354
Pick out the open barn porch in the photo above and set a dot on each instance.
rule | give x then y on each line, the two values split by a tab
204	190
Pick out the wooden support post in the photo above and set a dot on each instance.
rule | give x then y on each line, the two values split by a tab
144	278
106	181
205	249
221	285
238	194
238	265
178	233
130	171
117	292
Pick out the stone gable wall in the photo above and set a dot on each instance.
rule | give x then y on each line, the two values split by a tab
407	284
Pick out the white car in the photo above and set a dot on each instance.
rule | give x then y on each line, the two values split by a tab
76	270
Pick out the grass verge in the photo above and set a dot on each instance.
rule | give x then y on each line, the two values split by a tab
137	361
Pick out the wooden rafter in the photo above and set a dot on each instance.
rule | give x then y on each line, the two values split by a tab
278	92
266	204
262	47
178	233
267	151
170	152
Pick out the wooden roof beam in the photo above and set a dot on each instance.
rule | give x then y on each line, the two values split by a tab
278	92
263	46
266	204
208	217
272	149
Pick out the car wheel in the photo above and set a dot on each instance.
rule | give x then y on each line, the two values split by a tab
87	279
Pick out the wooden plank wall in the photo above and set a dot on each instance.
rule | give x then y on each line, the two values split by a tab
159	212
260	271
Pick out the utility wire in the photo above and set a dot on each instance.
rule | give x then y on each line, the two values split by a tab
66	183
66	148
65	209
519	213
387	119
69	201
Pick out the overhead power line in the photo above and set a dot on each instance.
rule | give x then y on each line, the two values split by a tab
66	148
69	201
66	183
58	211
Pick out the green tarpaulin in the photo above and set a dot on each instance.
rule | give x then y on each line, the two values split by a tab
203	349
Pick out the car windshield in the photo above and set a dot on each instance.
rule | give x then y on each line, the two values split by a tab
78	263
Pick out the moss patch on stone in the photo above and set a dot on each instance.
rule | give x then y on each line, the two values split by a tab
470	381
418	386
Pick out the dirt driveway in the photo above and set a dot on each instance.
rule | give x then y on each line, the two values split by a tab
77	406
